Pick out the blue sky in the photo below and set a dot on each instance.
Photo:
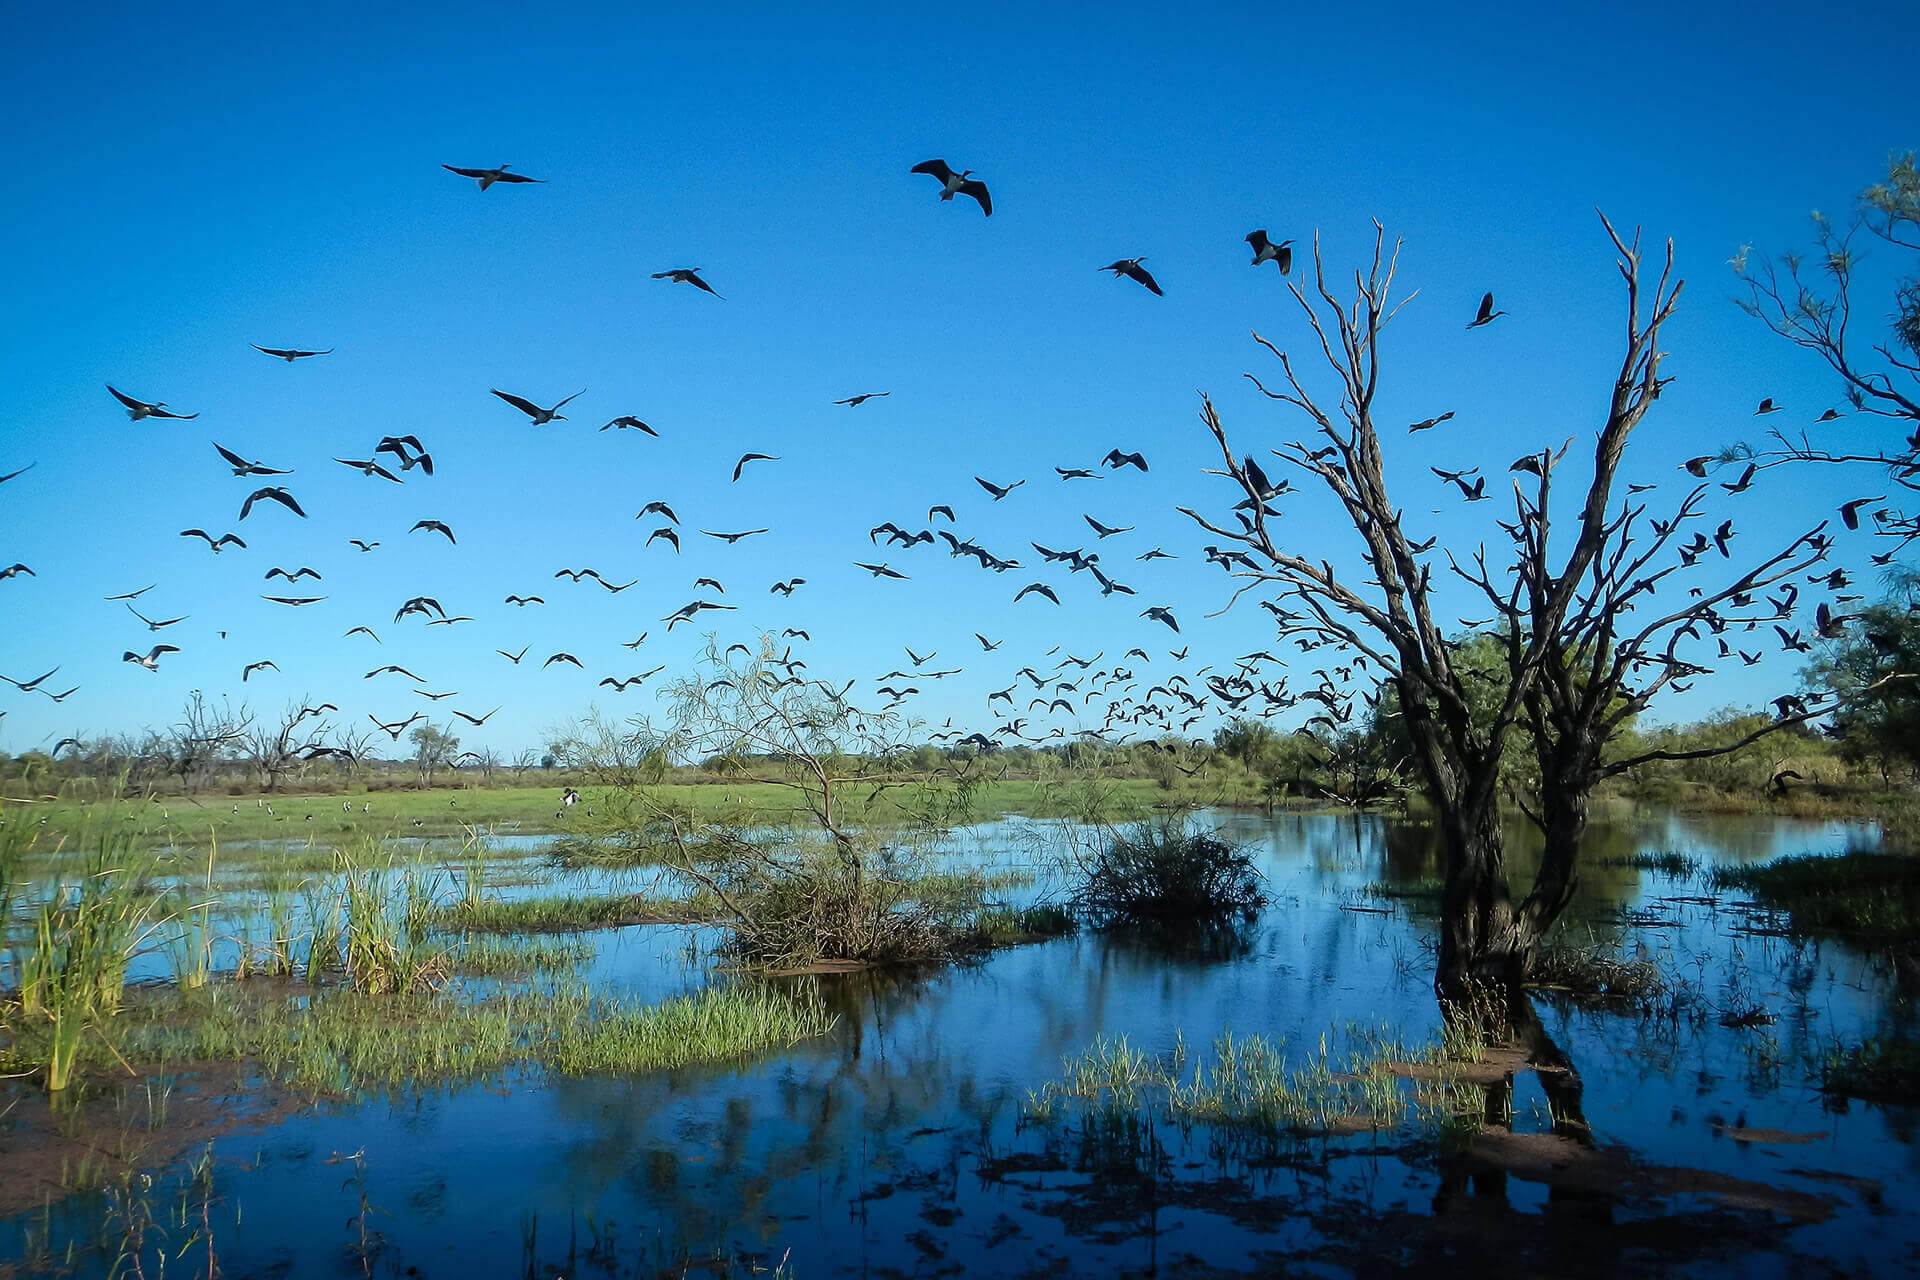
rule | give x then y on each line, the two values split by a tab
186	183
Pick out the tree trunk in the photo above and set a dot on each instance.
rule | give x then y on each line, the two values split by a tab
1476	915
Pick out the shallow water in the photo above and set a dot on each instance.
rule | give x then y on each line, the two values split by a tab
896	1144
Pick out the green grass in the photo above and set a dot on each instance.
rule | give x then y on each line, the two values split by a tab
560	913
343	1043
1869	897
193	821
711	1026
1249	1085
515	957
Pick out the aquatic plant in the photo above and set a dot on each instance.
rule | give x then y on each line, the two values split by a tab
1870	897
1160	872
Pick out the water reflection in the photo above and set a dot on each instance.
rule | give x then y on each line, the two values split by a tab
897	1144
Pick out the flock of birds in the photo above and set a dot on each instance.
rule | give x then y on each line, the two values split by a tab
1117	695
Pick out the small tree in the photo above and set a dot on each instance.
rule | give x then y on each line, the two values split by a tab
205	736
433	749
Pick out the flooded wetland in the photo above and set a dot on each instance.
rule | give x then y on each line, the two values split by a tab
1277	1094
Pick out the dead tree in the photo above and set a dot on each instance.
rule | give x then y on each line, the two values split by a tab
1579	660
277	750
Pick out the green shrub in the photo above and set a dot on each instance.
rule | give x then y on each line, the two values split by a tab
1161	873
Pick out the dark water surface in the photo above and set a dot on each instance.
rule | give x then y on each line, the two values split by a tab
897	1146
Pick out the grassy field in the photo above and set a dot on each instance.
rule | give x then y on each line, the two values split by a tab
331	819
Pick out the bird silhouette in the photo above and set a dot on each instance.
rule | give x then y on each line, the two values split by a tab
273	493
289	354
138	409
854	402
487	177
687	275
997	490
745	458
627	422
1486	313
224	540
434	526
1131	268
1265	250
242	467
538	416
952	183
1117	460
151	661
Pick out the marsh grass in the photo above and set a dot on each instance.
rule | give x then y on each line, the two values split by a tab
711	1026
1249	1086
1872	898
343	1042
561	913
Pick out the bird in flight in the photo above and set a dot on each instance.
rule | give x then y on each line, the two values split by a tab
242	467
785	588
397	728
1131	268
880	570
487	177
1077	473
541	417
134	595
1486	313
514	658
524	601
728	538
1766	406
362	631
252	667
1160	614
28	686
398	446
295	601
151	624
302	572
1428	424
1265	250
986	645
15	570
138	409
627	422
854	402
289	354
476	721
369	467
435	526
363	545
998	491
660	508
272	493
952	184
22	471
1117	460
745	458
671	536
225	539
1105	531
151	662
687	275
1036	588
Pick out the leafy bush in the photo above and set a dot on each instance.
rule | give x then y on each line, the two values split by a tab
1160	873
